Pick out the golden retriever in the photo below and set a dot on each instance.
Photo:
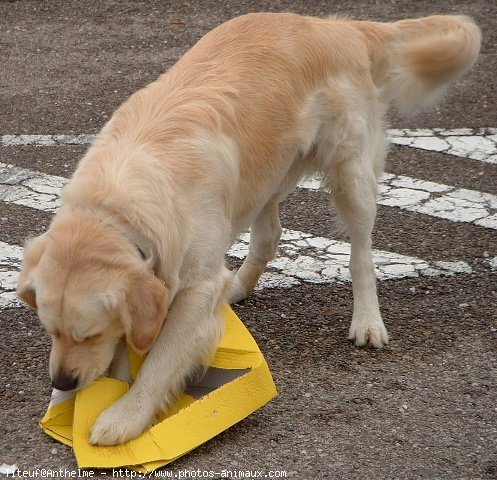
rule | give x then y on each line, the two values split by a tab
208	150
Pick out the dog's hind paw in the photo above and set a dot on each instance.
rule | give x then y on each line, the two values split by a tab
368	332
237	291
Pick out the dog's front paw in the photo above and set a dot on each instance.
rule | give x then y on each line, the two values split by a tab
120	423
368	330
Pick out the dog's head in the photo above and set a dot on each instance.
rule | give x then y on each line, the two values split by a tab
90	287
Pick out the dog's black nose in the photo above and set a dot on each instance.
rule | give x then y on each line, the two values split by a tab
62	382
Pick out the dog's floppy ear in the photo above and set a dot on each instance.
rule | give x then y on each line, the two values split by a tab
143	310
33	251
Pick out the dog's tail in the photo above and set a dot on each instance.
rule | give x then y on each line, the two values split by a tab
422	57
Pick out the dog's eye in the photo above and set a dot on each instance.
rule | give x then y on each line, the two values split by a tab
96	336
88	338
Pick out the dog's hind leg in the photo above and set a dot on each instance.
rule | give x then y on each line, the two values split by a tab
265	235
354	193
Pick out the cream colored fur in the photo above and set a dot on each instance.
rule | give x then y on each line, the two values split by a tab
200	155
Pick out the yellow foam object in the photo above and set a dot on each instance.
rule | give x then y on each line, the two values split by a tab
237	384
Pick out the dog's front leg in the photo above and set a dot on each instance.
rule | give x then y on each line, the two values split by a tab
120	367
265	235
188	338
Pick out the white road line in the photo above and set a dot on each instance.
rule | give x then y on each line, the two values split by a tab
302	258
41	191
10	263
438	200
45	140
433	199
305	258
476	144
30	189
329	258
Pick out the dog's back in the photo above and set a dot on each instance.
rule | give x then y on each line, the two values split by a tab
258	87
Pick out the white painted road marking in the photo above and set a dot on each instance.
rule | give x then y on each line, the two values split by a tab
45	140
324	261
302	257
476	144
10	263
438	200
30	189
433	199
41	191
327	261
